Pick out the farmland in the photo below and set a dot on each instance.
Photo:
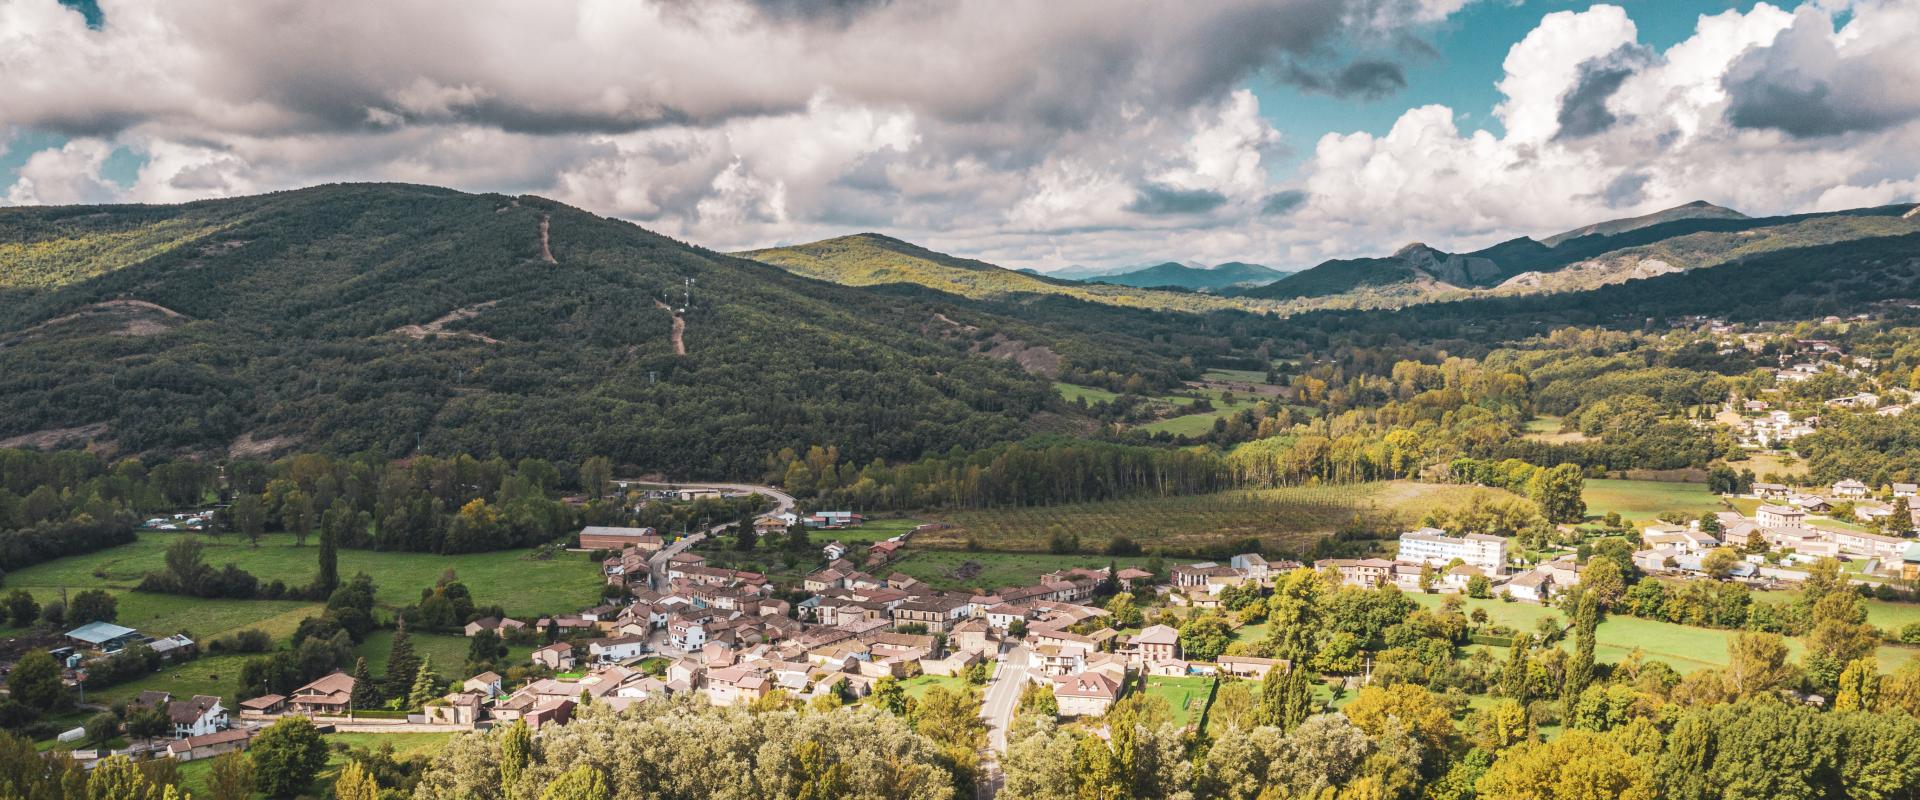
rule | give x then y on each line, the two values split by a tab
1640	501
1284	519
514	579
946	569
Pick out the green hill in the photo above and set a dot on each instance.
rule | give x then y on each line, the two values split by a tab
869	259
389	317
1221	276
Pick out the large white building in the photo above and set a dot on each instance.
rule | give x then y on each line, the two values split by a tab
1434	546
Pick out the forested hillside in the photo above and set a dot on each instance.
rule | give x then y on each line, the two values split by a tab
389	317
869	259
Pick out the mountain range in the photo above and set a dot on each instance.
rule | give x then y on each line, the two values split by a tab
1197	278
1689	237
1173	274
393	319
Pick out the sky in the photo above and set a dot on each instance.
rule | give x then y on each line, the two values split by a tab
1101	133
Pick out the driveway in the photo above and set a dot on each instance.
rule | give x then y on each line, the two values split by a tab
657	565
1003	694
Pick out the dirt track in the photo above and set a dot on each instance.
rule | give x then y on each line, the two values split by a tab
679	329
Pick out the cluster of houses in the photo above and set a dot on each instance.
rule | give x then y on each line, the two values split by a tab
1428	559
184	521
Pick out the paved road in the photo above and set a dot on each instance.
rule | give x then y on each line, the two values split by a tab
657	565
1003	694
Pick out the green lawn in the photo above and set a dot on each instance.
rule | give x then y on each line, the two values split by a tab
940	568
920	684
1641	501
511	578
1284	519
1187	696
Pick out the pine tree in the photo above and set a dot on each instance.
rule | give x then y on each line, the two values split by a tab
1286	697
402	665
426	685
366	693
329	578
1513	677
516	752
1586	617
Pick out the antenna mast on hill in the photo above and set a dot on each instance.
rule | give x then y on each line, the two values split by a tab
689	296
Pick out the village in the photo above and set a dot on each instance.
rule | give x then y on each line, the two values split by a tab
674	625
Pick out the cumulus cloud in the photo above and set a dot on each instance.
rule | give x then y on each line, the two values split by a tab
1748	112
65	175
1815	81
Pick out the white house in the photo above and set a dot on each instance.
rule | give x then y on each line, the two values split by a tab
1534	586
619	648
1849	488
197	717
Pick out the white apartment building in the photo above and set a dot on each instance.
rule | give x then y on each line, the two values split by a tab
1434	546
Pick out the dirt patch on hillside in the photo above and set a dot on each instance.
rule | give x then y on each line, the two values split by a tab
438	327
1037	359
57	437
248	446
135	318
546	251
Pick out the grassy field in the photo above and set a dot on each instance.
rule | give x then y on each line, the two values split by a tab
1091	394
448	651
195	774
1682	647
214	675
1764	464
1285	519
1235	376
510	578
1201	423
873	531
1186	696
941	568
166	614
1547	429
1641	501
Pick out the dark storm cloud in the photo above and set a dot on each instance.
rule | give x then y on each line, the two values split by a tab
1283	202
1156	200
1804	85
1367	80
1626	190
1583	111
